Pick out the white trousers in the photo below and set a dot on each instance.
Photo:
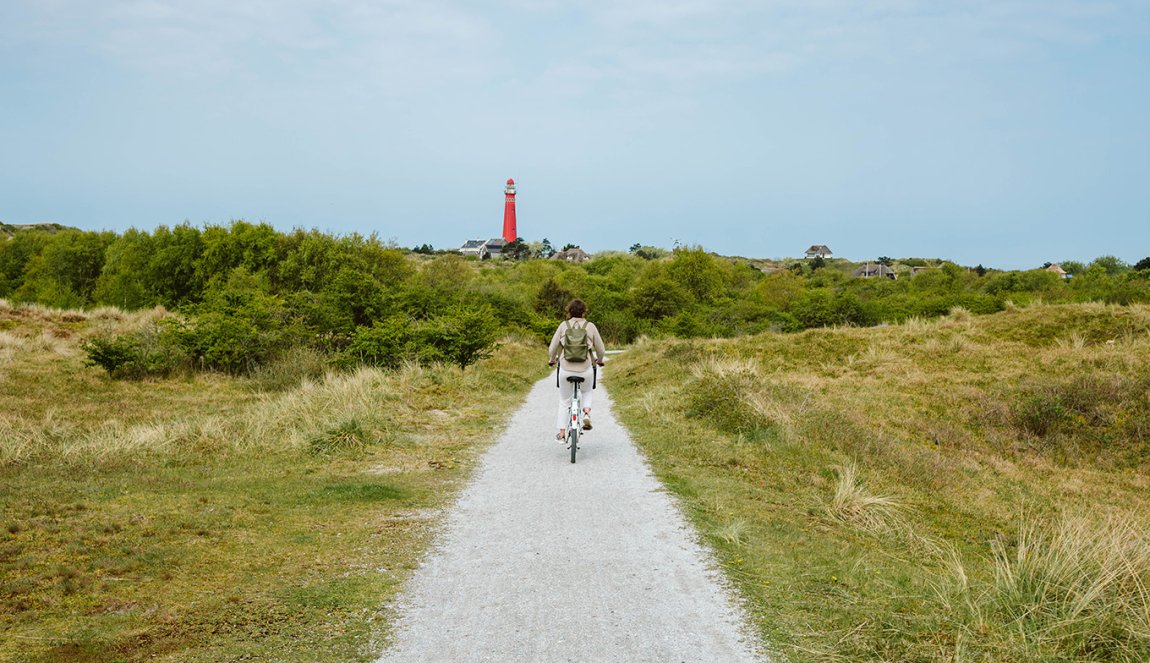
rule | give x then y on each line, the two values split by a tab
567	390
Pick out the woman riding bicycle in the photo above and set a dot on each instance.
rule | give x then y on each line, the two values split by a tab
570	365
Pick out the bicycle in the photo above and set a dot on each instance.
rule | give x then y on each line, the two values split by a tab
574	420
575	416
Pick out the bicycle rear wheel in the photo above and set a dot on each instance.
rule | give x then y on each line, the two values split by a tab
573	438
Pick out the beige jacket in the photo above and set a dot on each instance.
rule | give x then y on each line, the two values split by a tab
598	352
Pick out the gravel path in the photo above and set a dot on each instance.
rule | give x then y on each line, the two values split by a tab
542	560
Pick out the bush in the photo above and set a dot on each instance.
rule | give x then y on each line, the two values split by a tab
149	353
238	327
384	344
823	308
220	342
111	354
721	395
552	299
462	336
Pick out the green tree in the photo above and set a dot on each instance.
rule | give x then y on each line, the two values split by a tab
15	254
311	259
552	300
386	343
1111	265
1072	267
657	298
463	335
64	273
697	271
238	326
125	280
255	247
517	249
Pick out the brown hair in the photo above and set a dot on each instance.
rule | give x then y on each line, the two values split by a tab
576	309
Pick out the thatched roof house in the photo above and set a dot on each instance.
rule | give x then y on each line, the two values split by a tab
574	254
873	269
818	251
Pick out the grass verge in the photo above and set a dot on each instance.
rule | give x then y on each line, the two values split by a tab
215	518
968	489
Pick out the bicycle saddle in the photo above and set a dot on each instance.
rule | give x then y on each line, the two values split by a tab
574	378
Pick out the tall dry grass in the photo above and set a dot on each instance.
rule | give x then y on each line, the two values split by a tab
853	504
276	422
1067	588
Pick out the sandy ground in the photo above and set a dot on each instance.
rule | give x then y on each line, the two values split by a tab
542	560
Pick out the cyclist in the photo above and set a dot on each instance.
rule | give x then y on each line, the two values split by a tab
593	353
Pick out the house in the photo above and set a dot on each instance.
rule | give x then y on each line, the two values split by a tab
495	246
818	251
1057	269
575	254
873	269
483	248
474	247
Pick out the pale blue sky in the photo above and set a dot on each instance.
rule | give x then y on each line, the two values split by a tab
1002	132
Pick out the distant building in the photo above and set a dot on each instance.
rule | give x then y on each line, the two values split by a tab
818	251
495	246
483	248
874	269
1057	269
474	247
575	254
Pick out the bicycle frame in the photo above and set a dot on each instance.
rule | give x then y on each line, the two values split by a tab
574	425
575	415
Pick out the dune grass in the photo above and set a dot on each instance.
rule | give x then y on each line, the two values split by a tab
212	518
966	489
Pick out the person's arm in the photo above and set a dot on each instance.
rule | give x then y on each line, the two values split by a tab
553	350
597	343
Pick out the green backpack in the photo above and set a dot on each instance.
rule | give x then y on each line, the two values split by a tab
574	343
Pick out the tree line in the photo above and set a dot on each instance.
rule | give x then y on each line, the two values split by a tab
246	293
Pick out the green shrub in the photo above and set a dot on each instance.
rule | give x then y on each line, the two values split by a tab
112	354
824	308
148	353
347	437
385	344
552	300
721	399
224	343
781	321
1039	412
238	326
462	336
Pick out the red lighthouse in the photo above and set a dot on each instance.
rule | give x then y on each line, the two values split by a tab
509	232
